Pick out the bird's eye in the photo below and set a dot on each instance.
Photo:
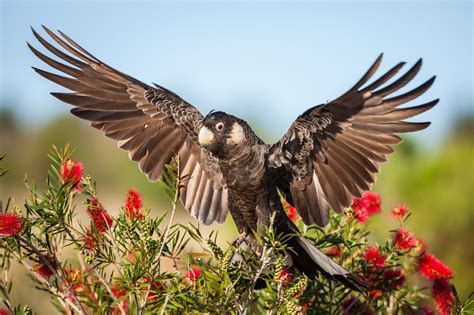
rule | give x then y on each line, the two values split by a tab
220	126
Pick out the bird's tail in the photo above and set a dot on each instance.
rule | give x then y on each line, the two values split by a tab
311	261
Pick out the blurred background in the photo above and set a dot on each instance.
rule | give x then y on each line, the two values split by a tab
266	63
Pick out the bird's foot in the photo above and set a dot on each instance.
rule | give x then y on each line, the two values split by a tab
242	236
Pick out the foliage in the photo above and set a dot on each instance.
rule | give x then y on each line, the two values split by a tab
120	262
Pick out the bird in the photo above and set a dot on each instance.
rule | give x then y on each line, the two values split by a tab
330	154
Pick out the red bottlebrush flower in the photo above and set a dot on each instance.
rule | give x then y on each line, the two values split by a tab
193	275
72	171
374	294
74	279
353	305
44	270
333	251
399	211
100	218
359	205
118	292
285	276
4	312
404	240
394	278
90	243
10	224
366	206
432	268
374	257
133	204
133	255
151	287
443	295
373	202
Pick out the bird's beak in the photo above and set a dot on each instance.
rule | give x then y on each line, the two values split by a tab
205	136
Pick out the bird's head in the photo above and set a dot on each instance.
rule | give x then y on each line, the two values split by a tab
221	133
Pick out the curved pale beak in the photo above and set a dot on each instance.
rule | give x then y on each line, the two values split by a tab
205	136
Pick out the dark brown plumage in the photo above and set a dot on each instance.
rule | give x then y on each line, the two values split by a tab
329	155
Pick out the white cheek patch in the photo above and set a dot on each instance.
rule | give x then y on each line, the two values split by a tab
236	134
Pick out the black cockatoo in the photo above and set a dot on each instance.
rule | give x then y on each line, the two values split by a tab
329	155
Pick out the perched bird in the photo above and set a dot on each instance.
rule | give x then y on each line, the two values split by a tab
329	155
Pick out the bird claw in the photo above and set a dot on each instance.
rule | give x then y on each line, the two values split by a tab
242	236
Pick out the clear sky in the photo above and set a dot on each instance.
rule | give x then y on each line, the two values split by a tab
265	62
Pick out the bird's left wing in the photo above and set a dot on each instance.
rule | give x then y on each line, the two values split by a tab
152	123
332	152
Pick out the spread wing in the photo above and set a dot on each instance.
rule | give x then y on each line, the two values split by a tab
332	152
151	123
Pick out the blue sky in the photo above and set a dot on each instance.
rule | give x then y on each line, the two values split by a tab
265	62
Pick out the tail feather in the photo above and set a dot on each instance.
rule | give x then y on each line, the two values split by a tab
311	261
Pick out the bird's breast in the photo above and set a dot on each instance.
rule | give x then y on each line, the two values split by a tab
244	171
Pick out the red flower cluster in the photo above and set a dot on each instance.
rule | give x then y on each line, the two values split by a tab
333	251
285	276
44	270
72	171
4	312
10	224
404	240
399	211
119	292
133	204
151	287
193	274
100	218
90	243
366	206
432	268
443	295
374	257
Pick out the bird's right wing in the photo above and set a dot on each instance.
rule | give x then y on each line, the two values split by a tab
332	152
152	123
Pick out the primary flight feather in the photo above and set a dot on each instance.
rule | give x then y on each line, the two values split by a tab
329	155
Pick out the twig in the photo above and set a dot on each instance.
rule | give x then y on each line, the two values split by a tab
53	270
106	285
62	298
173	210
257	276
167	297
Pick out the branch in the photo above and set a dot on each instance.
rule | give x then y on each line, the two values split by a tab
53	270
62	298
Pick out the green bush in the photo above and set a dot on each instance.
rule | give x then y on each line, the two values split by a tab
118	264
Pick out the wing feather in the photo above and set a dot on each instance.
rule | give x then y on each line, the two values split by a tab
152	123
346	140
